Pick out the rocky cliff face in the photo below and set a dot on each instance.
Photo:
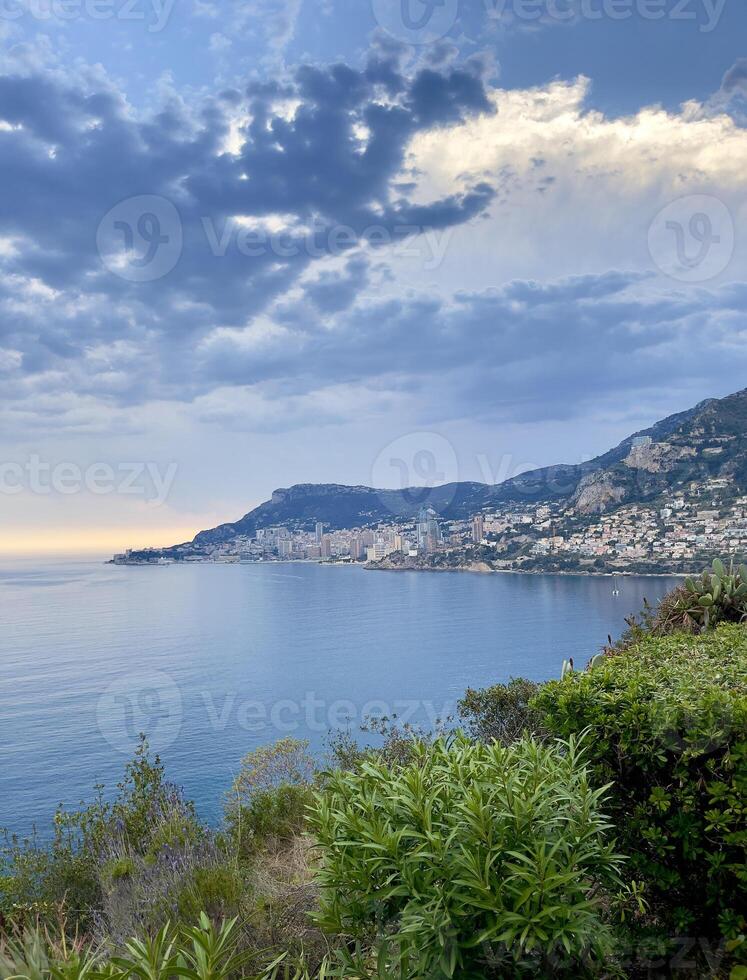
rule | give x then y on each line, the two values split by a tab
597	493
657	457
709	442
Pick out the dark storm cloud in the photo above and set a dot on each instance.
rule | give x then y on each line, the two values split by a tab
320	162
71	150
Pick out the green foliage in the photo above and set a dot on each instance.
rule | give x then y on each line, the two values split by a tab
501	713
472	859
177	829
286	762
153	958
202	952
717	596
668	726
118	868
215	889
397	743
269	796
33	956
96	848
210	953
273	815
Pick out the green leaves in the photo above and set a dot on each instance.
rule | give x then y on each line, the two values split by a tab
469	852
719	595
202	952
667	721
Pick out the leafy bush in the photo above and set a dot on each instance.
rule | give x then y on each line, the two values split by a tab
109	861
286	762
35	956
178	883
472	859
502	713
717	596
396	743
267	802
215	889
668	725
201	952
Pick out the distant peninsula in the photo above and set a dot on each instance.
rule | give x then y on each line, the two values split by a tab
666	499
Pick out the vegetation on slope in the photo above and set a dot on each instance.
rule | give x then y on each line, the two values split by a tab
591	826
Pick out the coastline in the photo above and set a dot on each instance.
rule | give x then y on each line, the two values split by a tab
576	573
477	568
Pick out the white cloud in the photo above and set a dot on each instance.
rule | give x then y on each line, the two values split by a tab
577	190
273	20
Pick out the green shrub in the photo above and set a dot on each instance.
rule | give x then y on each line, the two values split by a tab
501	713
33	956
117	869
286	762
668	725
201	952
396	743
717	596
215	890
176	830
473	860
268	799
96	850
272	817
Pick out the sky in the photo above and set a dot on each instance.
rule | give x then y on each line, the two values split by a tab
251	243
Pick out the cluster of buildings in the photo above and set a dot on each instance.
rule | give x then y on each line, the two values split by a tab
705	520
420	537
426	535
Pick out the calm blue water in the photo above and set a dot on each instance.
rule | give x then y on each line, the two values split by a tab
214	660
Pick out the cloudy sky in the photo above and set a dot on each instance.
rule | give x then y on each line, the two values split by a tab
250	243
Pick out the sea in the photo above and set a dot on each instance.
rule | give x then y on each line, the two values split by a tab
211	661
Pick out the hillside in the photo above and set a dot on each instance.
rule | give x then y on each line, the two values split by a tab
704	442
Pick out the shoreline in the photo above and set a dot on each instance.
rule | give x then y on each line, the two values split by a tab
576	573
365	566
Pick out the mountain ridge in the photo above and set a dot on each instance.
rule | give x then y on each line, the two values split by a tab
696	444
